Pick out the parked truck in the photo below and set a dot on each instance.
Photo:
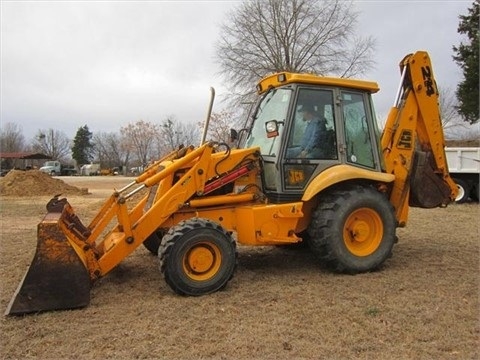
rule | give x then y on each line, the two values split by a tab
57	168
464	167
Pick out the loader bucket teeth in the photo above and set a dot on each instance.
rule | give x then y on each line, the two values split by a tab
57	279
55	204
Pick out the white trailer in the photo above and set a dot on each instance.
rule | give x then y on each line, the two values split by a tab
90	170
464	168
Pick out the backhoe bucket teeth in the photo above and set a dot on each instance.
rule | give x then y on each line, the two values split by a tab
57	279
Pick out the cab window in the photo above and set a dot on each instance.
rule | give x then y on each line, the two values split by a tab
357	134
312	133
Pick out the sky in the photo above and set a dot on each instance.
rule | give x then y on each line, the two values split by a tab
105	64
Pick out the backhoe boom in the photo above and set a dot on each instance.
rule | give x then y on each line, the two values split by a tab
413	142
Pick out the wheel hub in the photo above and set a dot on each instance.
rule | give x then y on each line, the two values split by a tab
202	261
363	232
360	231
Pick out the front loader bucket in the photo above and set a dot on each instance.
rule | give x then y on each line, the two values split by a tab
57	279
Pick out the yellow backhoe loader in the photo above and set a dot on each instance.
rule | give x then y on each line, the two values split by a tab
344	190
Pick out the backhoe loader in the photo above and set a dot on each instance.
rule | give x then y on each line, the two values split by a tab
343	194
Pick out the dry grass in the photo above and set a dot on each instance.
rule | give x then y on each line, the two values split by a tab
281	304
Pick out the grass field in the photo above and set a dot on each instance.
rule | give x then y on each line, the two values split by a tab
281	304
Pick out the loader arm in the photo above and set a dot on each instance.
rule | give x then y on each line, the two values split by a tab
171	184
177	183
413	141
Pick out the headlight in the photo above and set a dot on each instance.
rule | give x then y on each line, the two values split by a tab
271	126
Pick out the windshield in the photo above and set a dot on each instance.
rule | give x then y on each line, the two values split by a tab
49	163
273	106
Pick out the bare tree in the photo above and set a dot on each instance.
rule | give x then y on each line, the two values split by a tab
11	138
170	135
472	133
109	150
266	36
53	143
174	134
191	133
448	111
139	139
453	124
219	126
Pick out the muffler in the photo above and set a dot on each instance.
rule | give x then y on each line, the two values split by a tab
57	278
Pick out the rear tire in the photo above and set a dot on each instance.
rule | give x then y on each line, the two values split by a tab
353	230
463	191
197	257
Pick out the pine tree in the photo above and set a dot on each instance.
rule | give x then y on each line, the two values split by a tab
467	58
82	146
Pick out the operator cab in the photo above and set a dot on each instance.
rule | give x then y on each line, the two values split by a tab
305	124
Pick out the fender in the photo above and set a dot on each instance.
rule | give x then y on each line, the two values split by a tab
339	173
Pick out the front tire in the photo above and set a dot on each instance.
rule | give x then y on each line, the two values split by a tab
353	230
197	257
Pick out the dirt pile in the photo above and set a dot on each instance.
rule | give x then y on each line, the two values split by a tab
35	183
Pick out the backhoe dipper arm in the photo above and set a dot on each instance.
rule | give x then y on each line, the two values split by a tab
413	141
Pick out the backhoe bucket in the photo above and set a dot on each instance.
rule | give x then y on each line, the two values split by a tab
57	279
427	187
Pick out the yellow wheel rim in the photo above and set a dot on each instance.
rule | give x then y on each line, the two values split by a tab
363	232
202	261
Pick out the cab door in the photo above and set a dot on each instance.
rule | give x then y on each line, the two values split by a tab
311	144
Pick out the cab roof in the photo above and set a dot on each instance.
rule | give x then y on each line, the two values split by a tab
284	78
